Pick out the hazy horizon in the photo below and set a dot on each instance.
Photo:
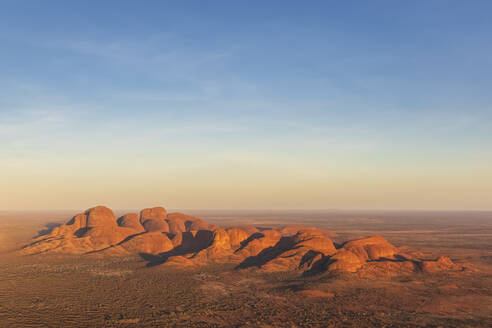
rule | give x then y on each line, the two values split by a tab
279	105
362	211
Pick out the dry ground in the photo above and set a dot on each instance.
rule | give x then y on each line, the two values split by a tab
48	291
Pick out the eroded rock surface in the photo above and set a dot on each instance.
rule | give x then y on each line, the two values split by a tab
183	240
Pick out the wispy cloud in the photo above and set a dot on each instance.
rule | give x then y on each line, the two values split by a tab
162	52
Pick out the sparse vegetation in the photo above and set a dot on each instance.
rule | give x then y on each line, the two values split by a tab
81	291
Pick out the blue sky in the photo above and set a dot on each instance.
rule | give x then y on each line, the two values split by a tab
283	104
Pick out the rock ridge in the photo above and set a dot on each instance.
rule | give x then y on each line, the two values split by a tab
183	240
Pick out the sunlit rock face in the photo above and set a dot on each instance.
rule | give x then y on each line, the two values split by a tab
132	221
153	219
182	240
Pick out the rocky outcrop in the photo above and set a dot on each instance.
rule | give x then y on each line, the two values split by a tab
372	248
94	229
179	222
442	263
153	219
237	236
132	221
299	251
182	240
145	243
344	261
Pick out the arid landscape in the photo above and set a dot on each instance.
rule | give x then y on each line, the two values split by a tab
282	277
245	164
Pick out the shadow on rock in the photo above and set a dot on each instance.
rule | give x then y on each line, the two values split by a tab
268	254
48	228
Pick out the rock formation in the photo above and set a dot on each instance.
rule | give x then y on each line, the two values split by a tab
184	240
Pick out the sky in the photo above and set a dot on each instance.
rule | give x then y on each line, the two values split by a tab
246	104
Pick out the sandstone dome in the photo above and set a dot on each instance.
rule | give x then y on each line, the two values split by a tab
132	221
153	219
100	217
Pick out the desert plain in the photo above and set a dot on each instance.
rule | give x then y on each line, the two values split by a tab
112	287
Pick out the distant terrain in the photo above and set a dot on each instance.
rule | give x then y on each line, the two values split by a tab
393	280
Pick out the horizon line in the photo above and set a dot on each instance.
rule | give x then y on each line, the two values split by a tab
256	209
